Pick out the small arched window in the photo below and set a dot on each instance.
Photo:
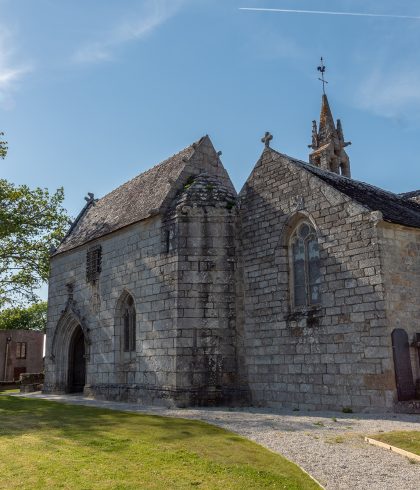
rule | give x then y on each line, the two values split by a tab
129	325
306	276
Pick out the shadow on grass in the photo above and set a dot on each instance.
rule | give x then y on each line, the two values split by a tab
90	425
143	451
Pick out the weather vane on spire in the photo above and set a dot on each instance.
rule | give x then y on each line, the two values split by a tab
321	70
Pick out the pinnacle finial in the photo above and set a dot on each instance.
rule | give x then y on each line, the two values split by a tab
266	139
314	145
322	69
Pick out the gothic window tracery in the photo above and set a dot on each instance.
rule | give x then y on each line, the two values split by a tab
305	266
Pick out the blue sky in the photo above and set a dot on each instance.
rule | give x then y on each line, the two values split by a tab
94	92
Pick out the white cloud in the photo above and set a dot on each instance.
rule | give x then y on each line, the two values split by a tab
152	15
393	94
93	53
10	72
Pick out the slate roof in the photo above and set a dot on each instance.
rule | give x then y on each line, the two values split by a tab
394	207
410	195
145	195
133	201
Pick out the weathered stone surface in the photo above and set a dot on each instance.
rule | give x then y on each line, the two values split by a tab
349	333
212	280
179	268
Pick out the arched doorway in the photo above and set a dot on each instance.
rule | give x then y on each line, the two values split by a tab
77	362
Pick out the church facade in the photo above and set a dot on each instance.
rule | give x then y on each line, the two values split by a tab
300	292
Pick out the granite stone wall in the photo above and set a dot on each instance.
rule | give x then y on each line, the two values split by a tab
178	267
210	276
206	345
400	253
333	355
134	261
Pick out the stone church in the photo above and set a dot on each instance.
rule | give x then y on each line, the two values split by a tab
301	291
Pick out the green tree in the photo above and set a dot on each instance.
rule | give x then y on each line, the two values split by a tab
31	222
33	317
3	146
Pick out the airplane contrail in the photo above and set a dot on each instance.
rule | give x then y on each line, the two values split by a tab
321	12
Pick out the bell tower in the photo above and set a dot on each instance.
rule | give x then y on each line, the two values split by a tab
328	139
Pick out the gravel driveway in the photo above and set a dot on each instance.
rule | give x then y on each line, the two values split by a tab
328	445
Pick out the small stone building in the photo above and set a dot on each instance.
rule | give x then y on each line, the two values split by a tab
299	292
21	351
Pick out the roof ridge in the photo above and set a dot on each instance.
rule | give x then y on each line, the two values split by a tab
394	207
192	146
333	175
132	201
408	194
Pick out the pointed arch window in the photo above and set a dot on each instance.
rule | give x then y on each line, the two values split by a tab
305	269
129	325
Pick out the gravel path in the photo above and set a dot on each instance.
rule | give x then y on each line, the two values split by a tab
328	445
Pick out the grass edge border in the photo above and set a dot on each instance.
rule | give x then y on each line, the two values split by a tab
394	449
298	465
145	412
274	452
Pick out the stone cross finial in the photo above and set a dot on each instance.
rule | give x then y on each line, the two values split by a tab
90	197
266	139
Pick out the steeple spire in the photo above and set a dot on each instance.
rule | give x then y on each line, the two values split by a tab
326	122
328	140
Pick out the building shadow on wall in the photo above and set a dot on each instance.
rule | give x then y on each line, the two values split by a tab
330	355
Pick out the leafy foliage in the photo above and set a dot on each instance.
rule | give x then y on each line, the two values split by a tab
33	317
3	146
31	221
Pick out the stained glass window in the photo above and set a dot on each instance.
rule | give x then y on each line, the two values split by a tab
305	266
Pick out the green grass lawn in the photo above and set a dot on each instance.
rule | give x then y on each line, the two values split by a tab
48	445
407	440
